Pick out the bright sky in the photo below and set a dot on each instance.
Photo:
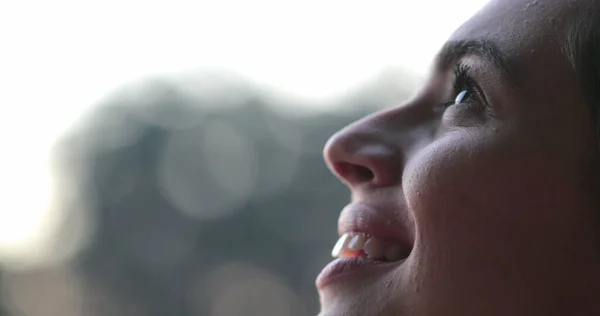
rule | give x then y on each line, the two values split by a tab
60	56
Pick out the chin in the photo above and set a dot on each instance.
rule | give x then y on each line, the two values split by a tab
359	307
363	293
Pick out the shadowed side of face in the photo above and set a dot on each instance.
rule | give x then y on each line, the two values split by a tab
485	169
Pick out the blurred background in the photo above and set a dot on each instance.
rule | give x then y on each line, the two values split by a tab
164	157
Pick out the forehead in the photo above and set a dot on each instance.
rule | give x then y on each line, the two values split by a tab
518	26
530	35
511	24
521	17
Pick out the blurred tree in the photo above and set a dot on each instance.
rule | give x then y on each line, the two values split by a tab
181	188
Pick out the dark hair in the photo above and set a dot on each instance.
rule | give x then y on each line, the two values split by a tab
582	49
581	46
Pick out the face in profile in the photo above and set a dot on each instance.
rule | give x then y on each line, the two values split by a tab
472	198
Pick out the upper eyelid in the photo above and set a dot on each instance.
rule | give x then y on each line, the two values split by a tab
484	50
447	77
461	72
460	77
472	76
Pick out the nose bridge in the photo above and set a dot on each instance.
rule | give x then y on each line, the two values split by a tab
373	150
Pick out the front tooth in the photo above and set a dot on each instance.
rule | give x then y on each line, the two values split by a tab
374	248
340	245
393	253
357	242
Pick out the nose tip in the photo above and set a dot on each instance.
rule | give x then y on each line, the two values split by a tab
361	158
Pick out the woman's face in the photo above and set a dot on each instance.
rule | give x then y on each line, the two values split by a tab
473	194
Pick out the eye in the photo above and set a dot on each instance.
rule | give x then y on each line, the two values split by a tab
462	96
464	87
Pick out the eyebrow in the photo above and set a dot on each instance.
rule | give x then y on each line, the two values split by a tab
453	51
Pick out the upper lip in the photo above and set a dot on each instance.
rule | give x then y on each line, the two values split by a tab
388	222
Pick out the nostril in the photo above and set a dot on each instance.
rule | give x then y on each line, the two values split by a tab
354	174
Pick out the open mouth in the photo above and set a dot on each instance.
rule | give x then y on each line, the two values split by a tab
374	239
359	245
359	253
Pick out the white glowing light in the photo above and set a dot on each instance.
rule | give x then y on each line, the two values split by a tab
59	57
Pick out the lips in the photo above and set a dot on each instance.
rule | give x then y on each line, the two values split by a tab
372	238
392	224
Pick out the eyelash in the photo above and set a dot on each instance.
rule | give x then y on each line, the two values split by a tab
463	82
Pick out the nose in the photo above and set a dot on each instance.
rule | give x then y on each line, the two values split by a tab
374	150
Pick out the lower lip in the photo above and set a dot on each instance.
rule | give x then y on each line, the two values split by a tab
348	268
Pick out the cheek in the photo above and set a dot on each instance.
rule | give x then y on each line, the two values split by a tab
488	205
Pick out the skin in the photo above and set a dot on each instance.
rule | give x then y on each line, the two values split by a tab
503	221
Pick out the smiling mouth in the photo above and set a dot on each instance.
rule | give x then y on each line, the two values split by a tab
362	245
374	240
359	254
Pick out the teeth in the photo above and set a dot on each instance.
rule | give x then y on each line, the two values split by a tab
374	248
357	242
360	244
340	245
